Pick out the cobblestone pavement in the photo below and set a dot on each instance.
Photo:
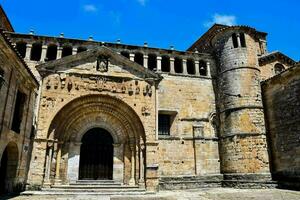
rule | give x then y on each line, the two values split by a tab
201	194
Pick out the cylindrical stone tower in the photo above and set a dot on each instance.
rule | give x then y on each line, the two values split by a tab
243	145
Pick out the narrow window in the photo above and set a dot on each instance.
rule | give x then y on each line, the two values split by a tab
165	64
125	54
278	68
66	51
164	124
36	52
152	62
81	49
190	66
203	68
21	47
18	112
243	39
1	78
235	40
178	65
139	58
51	52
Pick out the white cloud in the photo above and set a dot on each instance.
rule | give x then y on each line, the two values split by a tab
142	2
229	20
90	8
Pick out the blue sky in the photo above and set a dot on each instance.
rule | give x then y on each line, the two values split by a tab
159	22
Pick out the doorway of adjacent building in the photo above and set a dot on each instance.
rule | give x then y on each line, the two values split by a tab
96	155
8	168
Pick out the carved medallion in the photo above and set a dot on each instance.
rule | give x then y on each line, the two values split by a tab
102	63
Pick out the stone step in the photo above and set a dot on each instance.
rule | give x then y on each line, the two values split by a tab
86	186
85	192
97	182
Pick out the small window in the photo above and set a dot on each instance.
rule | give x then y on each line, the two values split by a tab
18	112
278	68
67	51
243	39
165	64
164	124
21	47
125	54
1	78
190	66
235	40
139	58
36	52
81	49
51	52
152	62
178	65
202	68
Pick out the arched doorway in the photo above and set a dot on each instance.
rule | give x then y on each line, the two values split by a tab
8	168
96	155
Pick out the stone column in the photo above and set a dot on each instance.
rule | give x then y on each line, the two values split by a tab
74	51
184	66
172	65
158	59
59	52
208	69
47	182
197	72
28	51
73	161
146	61
58	159
118	163
44	53
132	178
142	180
131	57
238	40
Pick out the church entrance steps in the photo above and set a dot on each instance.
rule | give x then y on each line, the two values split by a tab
97	182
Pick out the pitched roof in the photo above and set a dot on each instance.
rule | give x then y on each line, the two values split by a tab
4	21
273	56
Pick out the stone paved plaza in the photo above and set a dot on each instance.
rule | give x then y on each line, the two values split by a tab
202	194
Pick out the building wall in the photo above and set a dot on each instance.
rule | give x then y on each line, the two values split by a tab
16	77
281	100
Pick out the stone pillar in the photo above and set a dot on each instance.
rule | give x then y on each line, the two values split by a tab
158	59
238	39
118	163
131	57
184	66
47	182
197	72
74	51
57	170
146	61
73	162
142	180
28	51
172	65
59	52
208	69
132	172
44	53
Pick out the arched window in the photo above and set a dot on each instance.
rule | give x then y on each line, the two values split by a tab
36	52
125	54
178	65
81	49
51	52
190	64
152	62
278	68
165	64
243	39
235	40
139	58
21	47
66	51
202	68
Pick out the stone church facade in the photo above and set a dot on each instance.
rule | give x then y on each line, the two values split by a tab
148	117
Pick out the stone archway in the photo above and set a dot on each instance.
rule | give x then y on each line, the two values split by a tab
96	155
79	116
8	168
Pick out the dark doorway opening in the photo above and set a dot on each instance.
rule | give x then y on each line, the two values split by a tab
8	168
96	155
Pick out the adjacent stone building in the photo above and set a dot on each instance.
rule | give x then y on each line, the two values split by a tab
18	89
152	118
